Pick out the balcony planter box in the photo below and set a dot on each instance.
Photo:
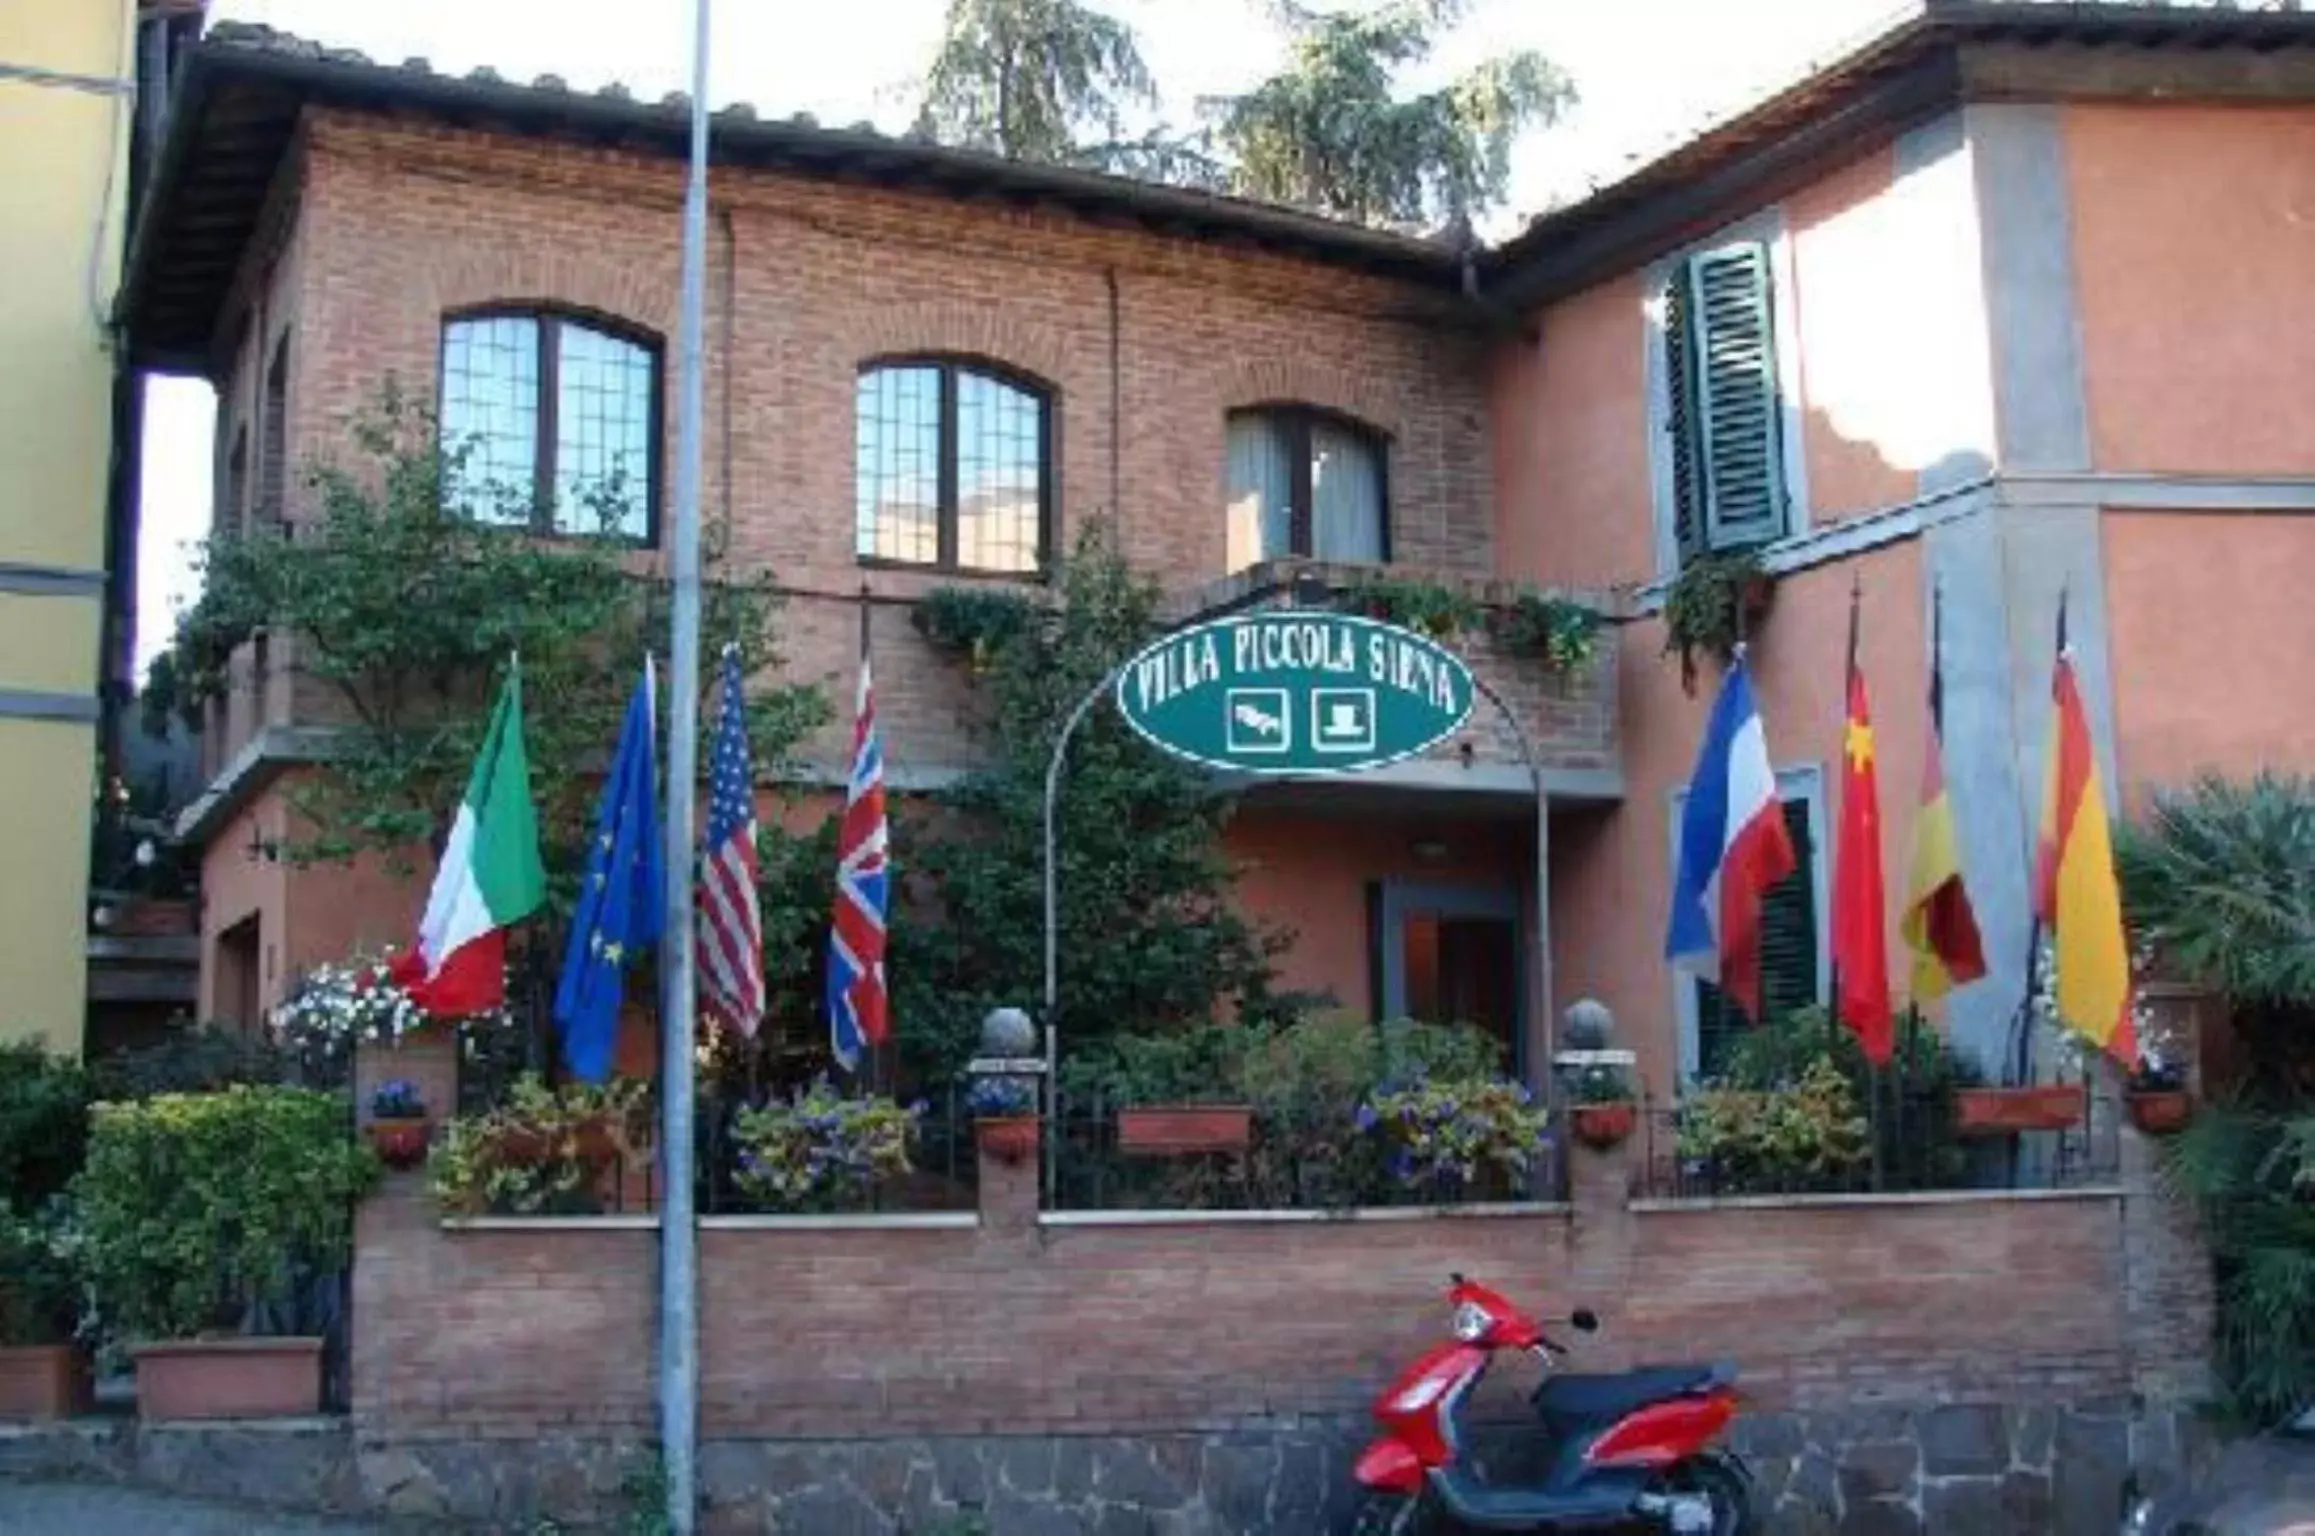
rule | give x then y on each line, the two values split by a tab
2004	1111
1601	1126
1007	1138
1174	1129
240	1378
44	1381
400	1142
2160	1111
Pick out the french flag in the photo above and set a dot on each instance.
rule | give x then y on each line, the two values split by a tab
1733	847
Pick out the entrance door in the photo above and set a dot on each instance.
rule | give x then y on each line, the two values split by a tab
1450	955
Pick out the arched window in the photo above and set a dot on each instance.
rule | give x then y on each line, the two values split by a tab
954	467
554	419
1305	482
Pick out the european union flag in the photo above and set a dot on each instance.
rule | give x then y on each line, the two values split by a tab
623	902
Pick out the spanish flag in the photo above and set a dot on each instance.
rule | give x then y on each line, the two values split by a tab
2075	892
1938	923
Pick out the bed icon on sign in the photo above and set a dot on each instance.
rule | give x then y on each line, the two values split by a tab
1257	720
1342	719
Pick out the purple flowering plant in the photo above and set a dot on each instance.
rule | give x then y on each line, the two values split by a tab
397	1099
1449	1134
823	1150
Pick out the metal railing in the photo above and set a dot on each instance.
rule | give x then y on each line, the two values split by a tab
1296	1157
1904	1143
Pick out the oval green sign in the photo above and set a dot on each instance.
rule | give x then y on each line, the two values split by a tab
1295	691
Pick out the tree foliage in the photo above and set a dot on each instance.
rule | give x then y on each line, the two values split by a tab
2220	880
1151	940
1329	133
1033	79
403	611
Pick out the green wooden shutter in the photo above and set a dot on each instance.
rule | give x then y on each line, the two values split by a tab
1736	436
1680	418
1788	953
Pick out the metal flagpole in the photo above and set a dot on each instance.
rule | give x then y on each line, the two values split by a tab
678	1237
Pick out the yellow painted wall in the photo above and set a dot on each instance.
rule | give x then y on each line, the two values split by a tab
63	162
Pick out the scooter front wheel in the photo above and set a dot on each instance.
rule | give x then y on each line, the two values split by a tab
1715	1493
1389	1514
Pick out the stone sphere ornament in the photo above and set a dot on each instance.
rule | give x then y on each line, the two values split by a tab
1008	1032
1590	1025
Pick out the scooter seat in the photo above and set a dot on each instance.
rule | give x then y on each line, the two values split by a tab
1588	1399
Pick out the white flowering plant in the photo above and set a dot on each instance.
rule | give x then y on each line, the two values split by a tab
333	1007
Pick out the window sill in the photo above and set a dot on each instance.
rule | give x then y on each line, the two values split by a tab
1037	578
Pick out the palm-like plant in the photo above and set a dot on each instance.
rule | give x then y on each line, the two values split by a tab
2220	881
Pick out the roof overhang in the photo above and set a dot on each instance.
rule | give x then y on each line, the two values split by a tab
1951	52
236	107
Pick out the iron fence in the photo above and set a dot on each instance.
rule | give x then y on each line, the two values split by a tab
1296	1156
1716	1145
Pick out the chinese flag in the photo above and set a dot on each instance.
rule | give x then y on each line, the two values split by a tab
1860	920
2075	892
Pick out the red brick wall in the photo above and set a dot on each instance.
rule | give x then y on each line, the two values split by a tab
396	224
1014	1328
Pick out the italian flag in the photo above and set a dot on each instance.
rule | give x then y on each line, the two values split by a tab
489	877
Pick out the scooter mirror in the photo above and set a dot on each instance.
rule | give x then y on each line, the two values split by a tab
1585	1320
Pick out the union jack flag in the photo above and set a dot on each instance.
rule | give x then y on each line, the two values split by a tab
859	1011
731	933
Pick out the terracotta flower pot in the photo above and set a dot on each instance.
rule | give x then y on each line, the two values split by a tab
229	1379
1185	1128
1007	1138
44	1381
400	1143
2160	1111
1603	1125
2002	1111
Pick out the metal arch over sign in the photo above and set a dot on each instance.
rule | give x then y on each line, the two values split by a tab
1295	691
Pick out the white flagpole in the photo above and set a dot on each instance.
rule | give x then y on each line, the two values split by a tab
678	1233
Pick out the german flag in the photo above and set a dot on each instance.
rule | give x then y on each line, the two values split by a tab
2075	892
1938	923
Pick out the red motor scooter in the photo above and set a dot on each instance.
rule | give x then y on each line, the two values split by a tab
1636	1448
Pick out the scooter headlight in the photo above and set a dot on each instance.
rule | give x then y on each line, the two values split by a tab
1471	1322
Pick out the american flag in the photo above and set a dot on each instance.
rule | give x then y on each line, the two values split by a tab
731	931
858	1009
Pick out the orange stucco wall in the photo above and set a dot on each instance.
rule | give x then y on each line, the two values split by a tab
1616	866
2187	591
1308	871
1887	390
2193	228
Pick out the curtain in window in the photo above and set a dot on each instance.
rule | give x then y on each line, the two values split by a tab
1346	495
1261	515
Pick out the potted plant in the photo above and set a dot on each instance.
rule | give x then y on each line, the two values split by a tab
1806	1136
2027	1107
1171	1129
2157	1095
1709	605
1429	608
545	1152
1602	1109
822	1150
43	1373
1561	633
399	1123
972	622
336	1006
200	1213
1450	1138
1005	1119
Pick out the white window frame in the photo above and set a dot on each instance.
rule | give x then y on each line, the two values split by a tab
1804	782
1768	227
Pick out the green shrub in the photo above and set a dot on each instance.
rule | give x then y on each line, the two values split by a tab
200	1059
196	1209
1807	1135
1449	1136
44	1103
38	1290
